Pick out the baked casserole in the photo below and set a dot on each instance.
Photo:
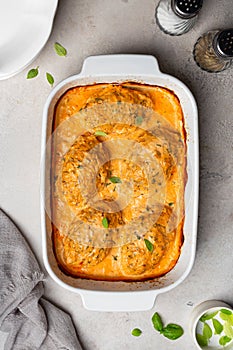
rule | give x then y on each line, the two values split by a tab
118	181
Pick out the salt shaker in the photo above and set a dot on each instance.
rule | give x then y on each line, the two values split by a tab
213	51
176	17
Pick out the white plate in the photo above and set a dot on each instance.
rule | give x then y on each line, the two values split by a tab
25	26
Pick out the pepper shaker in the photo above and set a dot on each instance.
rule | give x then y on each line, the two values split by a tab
176	17
213	51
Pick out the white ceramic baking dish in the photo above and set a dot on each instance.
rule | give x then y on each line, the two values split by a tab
125	296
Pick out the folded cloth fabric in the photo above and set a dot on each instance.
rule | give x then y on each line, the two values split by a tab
31	321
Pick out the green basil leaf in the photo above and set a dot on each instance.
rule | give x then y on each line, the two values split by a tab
33	73
115	180
172	331
157	322
218	327
60	50
202	341
138	120
226	312
136	332
100	133
50	78
208	316
207	331
105	222
149	245
230	319
228	330
226	317
224	340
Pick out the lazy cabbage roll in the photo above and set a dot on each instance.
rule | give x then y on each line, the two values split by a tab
118	177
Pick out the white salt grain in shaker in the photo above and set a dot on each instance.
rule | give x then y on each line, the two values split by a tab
177	17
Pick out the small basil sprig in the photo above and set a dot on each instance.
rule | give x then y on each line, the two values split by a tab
224	340
228	330
50	78
115	180
218	327
207	331
172	331
226	312
226	317
105	222
33	73
208	316
136	332
60	50
157	322
202	341
149	245
100	133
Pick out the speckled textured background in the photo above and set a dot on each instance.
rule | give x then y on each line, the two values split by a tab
92	27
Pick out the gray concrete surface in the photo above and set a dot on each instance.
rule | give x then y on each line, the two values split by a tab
91	27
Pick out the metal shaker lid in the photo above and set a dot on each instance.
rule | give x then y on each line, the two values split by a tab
223	43
186	8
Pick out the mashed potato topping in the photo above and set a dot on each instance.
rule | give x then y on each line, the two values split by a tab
118	155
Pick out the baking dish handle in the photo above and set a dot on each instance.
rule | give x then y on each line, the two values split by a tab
119	301
120	65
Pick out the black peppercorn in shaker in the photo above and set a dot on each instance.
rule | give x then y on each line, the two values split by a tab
213	51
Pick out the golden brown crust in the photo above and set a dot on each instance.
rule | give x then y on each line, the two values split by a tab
161	193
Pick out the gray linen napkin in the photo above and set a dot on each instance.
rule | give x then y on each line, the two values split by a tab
31	321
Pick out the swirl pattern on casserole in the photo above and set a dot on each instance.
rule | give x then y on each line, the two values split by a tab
119	154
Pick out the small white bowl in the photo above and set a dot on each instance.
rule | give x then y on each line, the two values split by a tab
208	307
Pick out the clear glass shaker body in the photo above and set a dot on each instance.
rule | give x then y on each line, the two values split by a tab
213	50
174	21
